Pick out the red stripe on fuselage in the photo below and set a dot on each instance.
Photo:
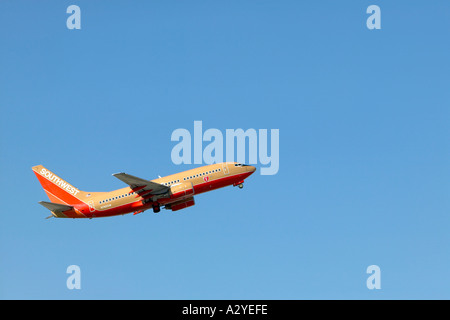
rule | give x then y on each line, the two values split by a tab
198	188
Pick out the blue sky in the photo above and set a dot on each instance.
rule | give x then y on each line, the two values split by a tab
364	125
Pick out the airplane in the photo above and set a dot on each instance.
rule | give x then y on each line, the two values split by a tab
174	192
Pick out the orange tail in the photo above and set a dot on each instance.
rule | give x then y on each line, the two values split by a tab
58	190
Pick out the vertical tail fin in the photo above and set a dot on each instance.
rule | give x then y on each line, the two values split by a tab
58	190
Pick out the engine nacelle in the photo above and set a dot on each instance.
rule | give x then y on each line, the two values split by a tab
189	202
185	189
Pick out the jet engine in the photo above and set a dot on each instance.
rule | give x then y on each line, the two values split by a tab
189	202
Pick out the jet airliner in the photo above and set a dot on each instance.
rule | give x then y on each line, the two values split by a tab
174	192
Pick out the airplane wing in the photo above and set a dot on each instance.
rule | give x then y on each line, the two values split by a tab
141	186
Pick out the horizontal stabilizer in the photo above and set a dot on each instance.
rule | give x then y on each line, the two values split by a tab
55	207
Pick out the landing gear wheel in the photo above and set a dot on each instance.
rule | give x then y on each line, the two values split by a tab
156	208
241	186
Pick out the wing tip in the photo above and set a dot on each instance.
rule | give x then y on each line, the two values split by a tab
119	173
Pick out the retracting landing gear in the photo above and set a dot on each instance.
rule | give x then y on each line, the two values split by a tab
240	184
156	208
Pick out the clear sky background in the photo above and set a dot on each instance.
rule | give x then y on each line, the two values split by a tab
364	147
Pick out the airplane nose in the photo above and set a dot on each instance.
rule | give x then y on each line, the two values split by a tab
251	169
